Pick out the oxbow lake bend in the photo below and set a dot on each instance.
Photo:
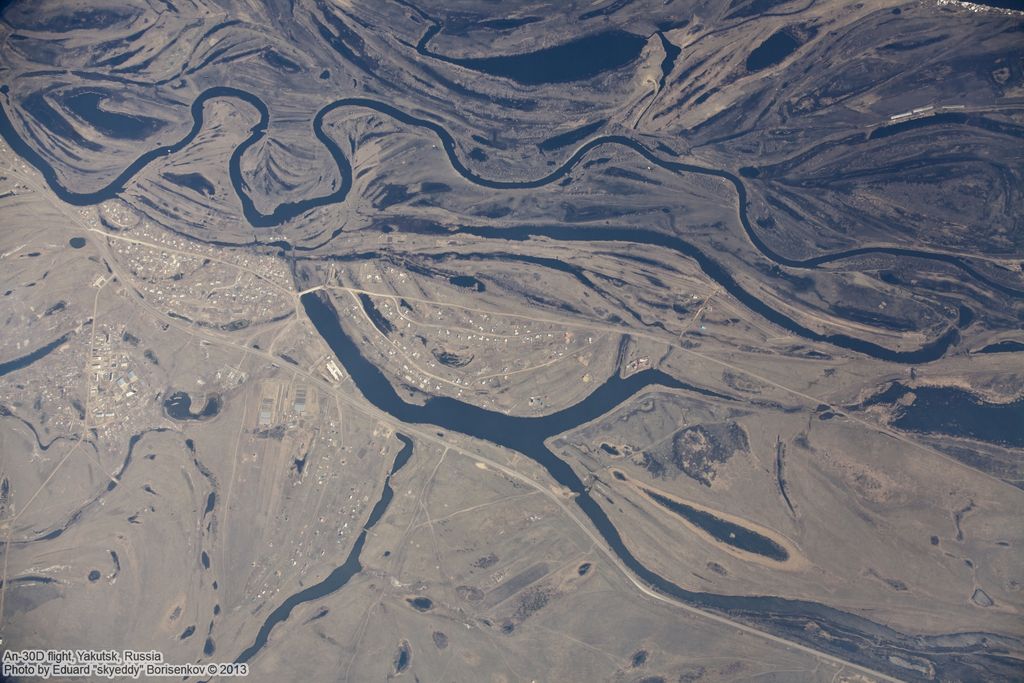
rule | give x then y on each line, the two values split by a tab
288	211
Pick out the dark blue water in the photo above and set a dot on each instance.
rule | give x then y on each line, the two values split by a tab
29	358
76	242
772	51
672	53
753	8
194	181
795	610
727	532
605	10
572	136
575	60
421	604
39	108
923	122
290	210
929	352
1007	346
341	574
382	324
854	637
1002	4
467	282
281	214
87	105
506	24
953	411
27	16
179	407
279	61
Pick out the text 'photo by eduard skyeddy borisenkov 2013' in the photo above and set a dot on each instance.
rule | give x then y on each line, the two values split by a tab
640	341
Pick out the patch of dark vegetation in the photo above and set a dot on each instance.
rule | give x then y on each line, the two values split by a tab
279	61
699	451
469	593
435	188
692	675
532	601
276	433
320	614
450	359
390	195
486	561
569	137
895	584
743	9
440	640
874	318
653	465
56	308
626	174
638	659
780	475
234	325
467	282
742	382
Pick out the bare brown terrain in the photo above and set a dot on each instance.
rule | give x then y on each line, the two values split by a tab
620	341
